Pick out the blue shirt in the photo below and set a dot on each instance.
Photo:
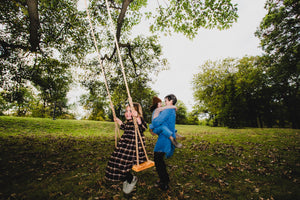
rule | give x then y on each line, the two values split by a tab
166	118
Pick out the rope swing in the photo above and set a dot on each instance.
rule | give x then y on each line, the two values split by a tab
117	130
138	167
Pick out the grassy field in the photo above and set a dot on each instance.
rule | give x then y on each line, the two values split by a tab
66	159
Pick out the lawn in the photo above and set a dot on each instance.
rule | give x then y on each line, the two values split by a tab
66	159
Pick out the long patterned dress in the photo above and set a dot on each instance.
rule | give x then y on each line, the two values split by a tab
124	155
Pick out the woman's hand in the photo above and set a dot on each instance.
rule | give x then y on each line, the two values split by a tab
118	121
151	131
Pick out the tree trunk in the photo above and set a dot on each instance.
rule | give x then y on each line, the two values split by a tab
259	124
34	24
54	109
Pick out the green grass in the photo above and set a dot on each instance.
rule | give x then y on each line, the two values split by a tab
66	159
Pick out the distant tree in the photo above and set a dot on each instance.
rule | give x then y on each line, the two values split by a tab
280	38
253	104
208	87
181	113
231	92
53	79
95	101
3	103
20	100
193	118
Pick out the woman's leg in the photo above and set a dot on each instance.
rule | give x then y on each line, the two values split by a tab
164	130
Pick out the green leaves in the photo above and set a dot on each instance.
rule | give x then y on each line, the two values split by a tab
53	79
188	17
280	28
231	91
279	35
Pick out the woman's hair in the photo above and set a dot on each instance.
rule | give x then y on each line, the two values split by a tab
155	101
153	107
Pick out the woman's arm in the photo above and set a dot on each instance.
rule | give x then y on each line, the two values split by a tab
118	121
121	124
158	110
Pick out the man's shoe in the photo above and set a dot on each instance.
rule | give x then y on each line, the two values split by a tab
164	187
129	186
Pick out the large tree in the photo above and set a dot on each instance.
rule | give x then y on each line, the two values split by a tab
42	26
35	31
142	56
55	29
279	32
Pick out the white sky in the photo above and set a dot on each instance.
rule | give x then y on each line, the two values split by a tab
186	56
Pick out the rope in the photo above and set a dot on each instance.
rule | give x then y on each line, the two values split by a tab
117	131
129	96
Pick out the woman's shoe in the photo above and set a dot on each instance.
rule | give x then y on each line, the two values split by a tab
175	143
180	137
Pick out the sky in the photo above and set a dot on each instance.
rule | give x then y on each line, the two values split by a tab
186	56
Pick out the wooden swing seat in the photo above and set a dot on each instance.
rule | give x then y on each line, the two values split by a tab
143	166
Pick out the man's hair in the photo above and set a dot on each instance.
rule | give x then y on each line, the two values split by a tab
171	97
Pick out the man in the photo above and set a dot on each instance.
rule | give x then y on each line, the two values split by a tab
164	146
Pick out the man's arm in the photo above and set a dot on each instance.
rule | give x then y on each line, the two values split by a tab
161	118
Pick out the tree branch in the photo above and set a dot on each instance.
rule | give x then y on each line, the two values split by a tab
5	46
131	58
120	21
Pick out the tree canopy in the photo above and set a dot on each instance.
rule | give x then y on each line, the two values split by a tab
280	38
257	91
233	92
142	55
36	31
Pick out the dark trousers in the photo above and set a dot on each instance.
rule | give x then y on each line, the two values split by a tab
128	177
161	167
